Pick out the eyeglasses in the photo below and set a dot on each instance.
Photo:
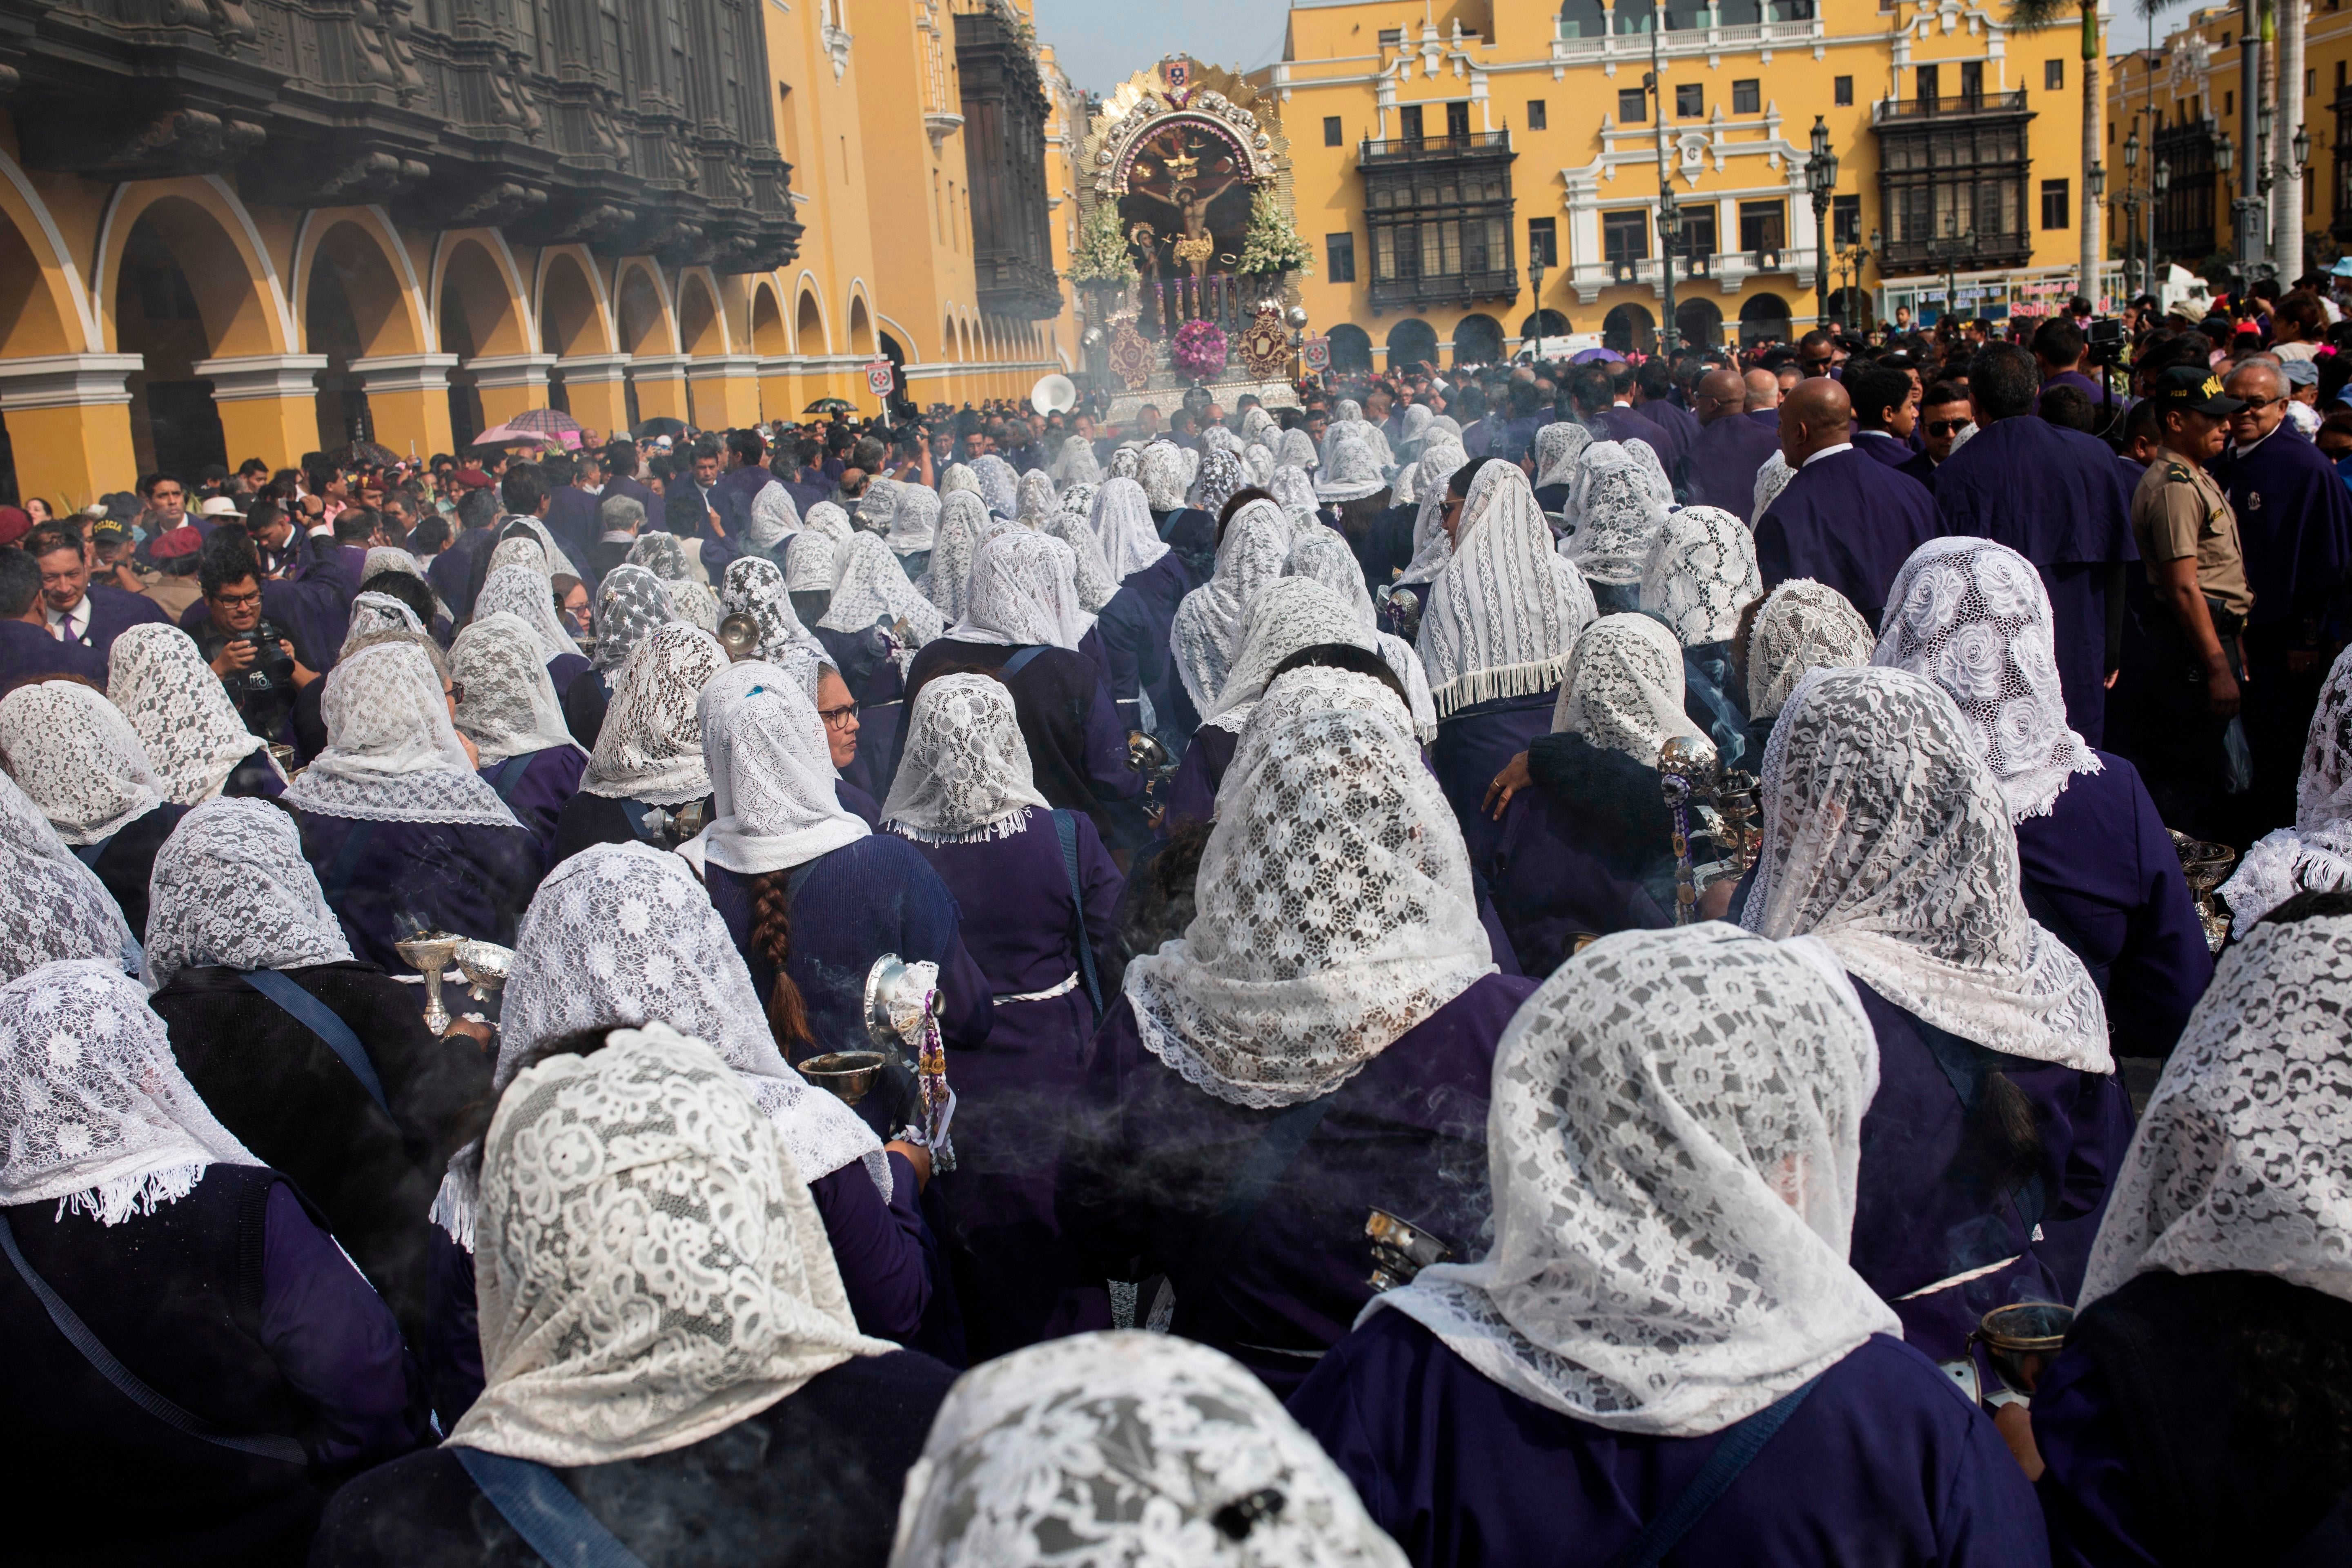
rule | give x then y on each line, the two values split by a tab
840	718
237	601
456	692
1946	426
2256	405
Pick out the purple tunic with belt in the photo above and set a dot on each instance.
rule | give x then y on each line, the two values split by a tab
1012	1281
1133	632
1151	1163
1883	1464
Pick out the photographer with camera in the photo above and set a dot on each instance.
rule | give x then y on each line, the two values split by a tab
254	656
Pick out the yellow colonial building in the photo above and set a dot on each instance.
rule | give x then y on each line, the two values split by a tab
1460	167
257	229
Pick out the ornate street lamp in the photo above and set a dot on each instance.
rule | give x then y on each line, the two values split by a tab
1820	179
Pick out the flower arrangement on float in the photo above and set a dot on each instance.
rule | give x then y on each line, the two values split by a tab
1198	350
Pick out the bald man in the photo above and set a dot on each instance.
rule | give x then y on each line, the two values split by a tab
2295	532
1764	393
1732	443
1844	520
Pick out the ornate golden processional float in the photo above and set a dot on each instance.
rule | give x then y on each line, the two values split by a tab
1187	241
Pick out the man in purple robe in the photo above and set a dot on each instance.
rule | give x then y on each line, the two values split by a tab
1732	444
1652	398
1843	521
572	499
28	651
1593	393
2058	345
75	609
2053	496
1885	411
2295	526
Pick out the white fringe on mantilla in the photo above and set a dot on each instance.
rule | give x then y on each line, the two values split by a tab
1005	827
111	1202
1507	681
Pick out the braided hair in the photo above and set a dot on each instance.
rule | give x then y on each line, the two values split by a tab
772	934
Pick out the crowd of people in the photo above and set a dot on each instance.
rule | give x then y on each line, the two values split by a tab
1540	965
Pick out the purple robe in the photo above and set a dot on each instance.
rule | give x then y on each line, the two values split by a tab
879	690
1922	467
113	612
1014	1282
1132	631
1554	878
1193	791
1885	446
2053	496
571	519
314	604
549	779
1879	1464
858	802
1474	745
28	652
1933	1202
1679	423
1626	424
1723	459
1151	1164
466	879
1847	522
452	571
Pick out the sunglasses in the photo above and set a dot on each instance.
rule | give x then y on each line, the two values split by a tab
2256	405
1946	426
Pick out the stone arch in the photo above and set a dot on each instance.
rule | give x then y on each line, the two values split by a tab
44	310
1477	340
1351	349
643	307
362	258
573	314
809	334
701	330
1630	329
1544	324
948	349
861	325
1764	315
217	246
768	338
1699	323
1411	341
478	298
1582	19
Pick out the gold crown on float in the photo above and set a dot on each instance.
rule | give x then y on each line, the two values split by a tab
1181	166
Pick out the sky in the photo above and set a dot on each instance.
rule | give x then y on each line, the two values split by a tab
1101	43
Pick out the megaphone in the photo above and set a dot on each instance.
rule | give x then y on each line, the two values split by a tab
1055	394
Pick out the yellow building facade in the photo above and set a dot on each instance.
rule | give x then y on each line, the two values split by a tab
145	319
1437	152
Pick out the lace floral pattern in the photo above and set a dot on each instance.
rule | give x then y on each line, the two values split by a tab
510	707
1674	1143
630	604
1886	836
1972	616
965	776
376	613
999	486
180	712
524	593
1077	464
916	523
557	563
1557	446
1293	490
963	518
1035	499
1617	513
231	886
1335	909
77	758
1702	573
99	1117
1024	592
1091	571
2239	1162
1221	475
520	551
392	753
52	906
872	588
2316	852
1208	624
1121	1448
1351	467
1804	626
650	748
1323	554
1292	613
1296	450
814	559
1160	470
771	774
1122	524
754	587
665	556
1624	689
1504	615
1772	477
774	518
653	1269
1433	477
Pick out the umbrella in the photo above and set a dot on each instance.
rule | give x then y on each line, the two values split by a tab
508	436
548	421
831	406
364	454
660	425
1603	356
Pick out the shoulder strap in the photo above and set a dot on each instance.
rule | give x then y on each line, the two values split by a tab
323	1021
1734	1453
510	773
267	1445
534	1499
1020	660
1268	1158
1066	829
346	863
88	854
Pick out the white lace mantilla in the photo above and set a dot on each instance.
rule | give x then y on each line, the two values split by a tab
965	775
873	587
52	906
963	519
1702	573
630	603
1674	1143
1617	512
392	753
1122	525
523	593
1024	592
650	748
1432	483
1886	836
74	753
1292	613
1803	626
2316	852
1504	614
180	712
510	707
755	588
231	886
773	802
1207	630
1624	689
1557	446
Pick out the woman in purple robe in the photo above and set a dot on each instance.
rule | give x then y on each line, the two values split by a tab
2201	1410
403	832
196	744
1502	620
630	603
1701	576
1205	634
508	709
1886	835
648	758
872	626
1616	508
1675	1126
1134	626
1047	889
197	1269
81	764
1801	626
1022	621
670	1346
1187	529
1319	1044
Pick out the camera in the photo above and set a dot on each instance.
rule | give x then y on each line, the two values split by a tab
2104	342
272	666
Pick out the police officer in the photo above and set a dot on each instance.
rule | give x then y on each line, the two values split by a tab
2182	664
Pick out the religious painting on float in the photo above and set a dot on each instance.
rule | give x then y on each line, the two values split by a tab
1187	203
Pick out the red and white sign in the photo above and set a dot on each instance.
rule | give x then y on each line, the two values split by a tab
879	378
1316	354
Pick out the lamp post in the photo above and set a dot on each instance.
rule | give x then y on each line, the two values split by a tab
1820	179
2095	177
2159	180
2131	213
2244	211
1669	212
1946	255
1535	287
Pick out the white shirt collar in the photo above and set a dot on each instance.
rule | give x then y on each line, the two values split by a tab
78	618
1882	435
2237	450
1826	452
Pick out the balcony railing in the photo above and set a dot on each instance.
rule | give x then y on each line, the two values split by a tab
1411	149
1948	106
1901	258
1446	288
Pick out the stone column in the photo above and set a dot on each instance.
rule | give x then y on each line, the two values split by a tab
725	391
409	401
596	387
661	381
68	420
269	405
510	383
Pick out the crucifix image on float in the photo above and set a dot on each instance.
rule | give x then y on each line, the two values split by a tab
1185	210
